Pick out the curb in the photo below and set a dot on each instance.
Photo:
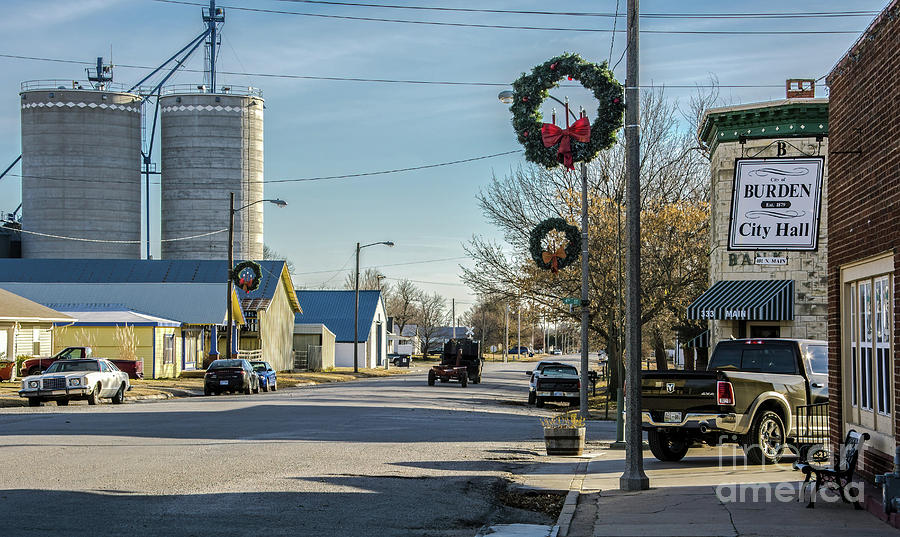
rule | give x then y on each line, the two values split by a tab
15	403
564	521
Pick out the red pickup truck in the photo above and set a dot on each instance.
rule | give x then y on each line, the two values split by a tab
33	366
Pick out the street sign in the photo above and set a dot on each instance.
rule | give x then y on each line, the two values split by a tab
572	300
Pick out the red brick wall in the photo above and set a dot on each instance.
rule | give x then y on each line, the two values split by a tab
864	188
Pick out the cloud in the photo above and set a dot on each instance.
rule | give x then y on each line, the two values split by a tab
52	12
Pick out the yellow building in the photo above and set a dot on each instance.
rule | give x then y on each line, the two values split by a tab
168	326
25	330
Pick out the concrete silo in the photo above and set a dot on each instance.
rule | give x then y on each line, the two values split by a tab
81	154
211	145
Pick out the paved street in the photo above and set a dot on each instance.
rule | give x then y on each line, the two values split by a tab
379	457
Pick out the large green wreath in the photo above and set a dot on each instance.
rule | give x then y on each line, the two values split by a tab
247	275
530	90
573	243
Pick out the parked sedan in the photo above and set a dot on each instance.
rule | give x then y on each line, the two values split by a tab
235	375
66	380
267	379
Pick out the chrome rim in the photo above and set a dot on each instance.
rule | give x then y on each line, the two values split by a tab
771	438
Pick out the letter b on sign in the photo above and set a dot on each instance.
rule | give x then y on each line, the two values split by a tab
782	148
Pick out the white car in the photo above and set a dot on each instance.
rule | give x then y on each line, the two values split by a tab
65	380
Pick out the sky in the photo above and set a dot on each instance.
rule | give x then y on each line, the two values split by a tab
316	128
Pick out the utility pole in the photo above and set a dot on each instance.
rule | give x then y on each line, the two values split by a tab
356	318
452	317
519	330
585	299
228	297
506	336
634	477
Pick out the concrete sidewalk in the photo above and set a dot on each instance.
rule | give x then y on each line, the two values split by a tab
710	493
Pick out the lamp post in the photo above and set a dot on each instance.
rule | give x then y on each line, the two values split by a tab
356	311
507	97
231	211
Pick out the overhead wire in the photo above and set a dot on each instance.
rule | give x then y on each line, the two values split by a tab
107	241
518	27
298	180
383	80
813	14
389	265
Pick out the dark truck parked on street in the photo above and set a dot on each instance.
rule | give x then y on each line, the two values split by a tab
34	366
748	395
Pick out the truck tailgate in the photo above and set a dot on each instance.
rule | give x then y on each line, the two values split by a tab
682	391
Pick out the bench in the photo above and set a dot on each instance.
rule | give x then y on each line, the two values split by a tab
839	477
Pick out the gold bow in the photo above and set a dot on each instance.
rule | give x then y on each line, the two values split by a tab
553	258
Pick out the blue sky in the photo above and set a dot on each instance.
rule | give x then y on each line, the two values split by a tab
320	128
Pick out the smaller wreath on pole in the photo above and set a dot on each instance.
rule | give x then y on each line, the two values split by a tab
247	275
557	254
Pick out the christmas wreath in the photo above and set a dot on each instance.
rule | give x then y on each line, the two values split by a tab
247	275
545	143
554	256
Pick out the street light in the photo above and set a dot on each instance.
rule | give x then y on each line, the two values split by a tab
507	97
356	311
276	202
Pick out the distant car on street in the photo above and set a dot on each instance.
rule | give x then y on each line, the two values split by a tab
235	376
521	350
67	380
556	352
554	382
268	380
399	360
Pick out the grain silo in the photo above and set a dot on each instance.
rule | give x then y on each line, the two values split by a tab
81	154
211	145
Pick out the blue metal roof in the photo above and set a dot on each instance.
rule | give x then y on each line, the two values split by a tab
189	303
135	271
335	309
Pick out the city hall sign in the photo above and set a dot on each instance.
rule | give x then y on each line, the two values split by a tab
776	204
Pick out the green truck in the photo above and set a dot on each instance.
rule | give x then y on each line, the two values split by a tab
748	395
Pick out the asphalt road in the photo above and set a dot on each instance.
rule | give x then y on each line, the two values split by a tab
389	456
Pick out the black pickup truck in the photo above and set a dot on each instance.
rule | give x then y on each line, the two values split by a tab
748	395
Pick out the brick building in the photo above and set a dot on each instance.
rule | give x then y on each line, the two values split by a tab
863	239
768	288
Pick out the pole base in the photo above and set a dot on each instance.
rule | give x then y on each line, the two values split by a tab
638	481
617	445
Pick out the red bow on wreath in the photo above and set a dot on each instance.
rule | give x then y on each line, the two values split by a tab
553	258
245	283
551	134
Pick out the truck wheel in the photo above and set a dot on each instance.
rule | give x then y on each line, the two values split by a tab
765	442
538	402
119	397
94	397
464	380
207	391
667	447
34	401
431	378
531	398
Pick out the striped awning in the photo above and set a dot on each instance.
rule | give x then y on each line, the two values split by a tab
699	342
746	300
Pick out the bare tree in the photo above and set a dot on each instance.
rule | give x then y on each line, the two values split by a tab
674	238
401	303
370	279
431	311
270	253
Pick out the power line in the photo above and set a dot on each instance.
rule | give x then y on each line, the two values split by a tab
105	241
388	265
298	180
429	283
517	27
787	15
386	80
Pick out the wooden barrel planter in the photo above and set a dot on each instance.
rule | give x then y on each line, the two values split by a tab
564	441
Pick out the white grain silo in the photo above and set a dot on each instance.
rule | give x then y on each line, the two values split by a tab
81	151
211	145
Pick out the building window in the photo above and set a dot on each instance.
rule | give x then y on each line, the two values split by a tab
169	349
868	325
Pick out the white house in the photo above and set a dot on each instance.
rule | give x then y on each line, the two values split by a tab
335	309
